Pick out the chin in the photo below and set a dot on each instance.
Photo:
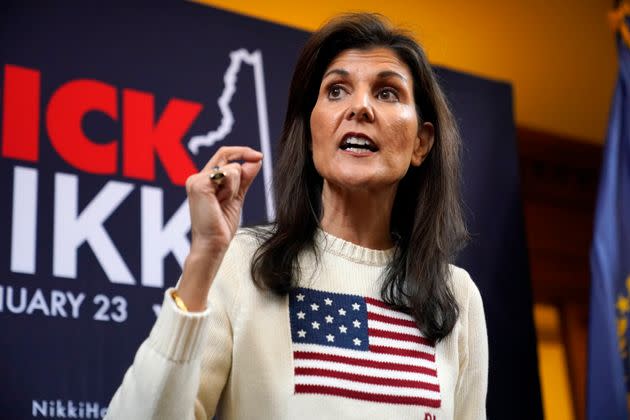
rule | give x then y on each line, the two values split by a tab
359	183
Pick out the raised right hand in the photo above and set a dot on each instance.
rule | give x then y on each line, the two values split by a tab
214	214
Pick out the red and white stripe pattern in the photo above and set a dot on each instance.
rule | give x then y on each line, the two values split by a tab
398	366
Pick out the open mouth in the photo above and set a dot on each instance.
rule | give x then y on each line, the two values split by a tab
357	143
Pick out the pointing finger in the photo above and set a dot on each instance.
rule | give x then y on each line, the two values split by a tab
227	154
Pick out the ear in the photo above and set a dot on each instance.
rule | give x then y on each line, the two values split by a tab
424	142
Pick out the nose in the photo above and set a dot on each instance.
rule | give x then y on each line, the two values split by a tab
360	108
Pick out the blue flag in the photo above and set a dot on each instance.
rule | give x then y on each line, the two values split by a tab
609	329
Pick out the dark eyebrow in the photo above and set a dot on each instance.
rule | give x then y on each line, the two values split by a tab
389	73
340	72
382	75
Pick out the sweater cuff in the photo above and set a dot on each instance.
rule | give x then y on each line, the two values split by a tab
177	335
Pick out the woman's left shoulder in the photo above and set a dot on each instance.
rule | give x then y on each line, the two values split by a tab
464	288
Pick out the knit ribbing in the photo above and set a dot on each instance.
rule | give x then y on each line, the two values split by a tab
177	335
352	252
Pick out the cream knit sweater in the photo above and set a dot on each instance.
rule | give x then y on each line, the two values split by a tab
329	350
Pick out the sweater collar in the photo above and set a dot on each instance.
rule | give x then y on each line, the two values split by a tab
329	243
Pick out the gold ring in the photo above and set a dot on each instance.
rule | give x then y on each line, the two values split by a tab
217	175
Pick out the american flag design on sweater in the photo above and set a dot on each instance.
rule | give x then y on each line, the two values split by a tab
357	347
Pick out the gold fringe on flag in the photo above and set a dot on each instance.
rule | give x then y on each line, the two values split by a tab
617	20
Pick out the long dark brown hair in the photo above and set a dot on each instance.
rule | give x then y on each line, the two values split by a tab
427	226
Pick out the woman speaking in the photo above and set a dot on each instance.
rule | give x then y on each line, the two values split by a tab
347	306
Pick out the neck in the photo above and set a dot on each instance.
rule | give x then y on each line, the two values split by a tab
361	216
